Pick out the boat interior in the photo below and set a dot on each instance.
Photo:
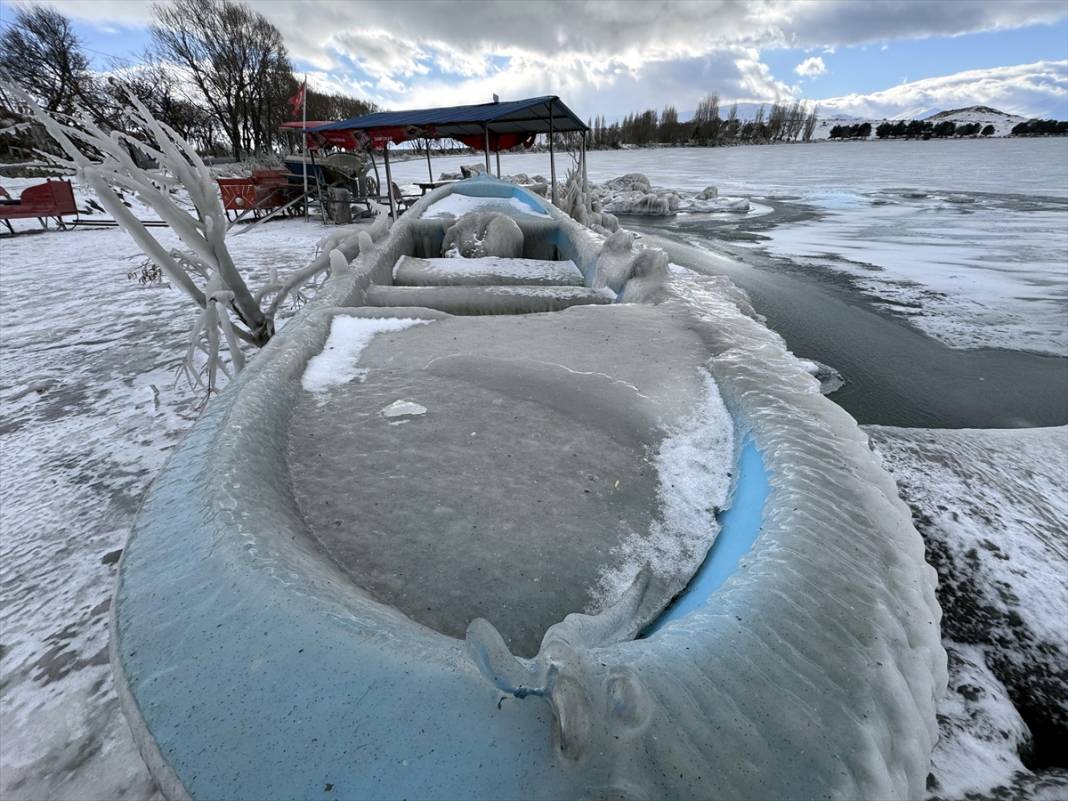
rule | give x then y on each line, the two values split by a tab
496	454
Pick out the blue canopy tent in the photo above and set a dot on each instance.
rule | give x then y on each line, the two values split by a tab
497	125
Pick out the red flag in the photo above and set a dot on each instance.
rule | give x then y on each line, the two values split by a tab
297	101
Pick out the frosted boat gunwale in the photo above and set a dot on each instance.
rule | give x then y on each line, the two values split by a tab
218	539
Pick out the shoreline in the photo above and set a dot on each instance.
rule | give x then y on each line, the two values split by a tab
895	374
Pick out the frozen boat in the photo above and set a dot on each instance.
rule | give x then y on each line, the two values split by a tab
510	510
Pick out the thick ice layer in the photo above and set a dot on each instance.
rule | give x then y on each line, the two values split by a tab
530	478
338	362
411	271
813	671
692	485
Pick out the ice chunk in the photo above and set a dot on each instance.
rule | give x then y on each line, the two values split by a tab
337	363
403	408
483	234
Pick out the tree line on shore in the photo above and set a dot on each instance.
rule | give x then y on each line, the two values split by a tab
925	129
778	122
216	72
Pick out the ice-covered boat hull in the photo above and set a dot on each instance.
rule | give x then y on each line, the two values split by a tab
251	666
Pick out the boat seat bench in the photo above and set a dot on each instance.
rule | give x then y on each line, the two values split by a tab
488	270
473	300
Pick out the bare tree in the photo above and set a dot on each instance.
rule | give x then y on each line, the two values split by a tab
41	53
237	60
810	124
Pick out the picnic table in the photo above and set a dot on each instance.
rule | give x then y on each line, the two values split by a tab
426	186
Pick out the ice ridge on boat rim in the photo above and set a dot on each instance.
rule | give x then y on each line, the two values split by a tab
813	671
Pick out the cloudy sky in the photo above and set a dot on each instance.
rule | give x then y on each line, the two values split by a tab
891	58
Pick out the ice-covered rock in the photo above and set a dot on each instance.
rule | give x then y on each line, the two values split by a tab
470	170
483	234
830	379
631	182
641	204
614	262
708	193
648	276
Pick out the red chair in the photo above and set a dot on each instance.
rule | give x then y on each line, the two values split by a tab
53	199
238	195
265	190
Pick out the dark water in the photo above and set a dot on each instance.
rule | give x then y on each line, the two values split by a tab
895	374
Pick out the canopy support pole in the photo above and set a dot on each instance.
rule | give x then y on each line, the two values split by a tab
498	159
585	176
552	155
485	137
389	182
429	169
304	138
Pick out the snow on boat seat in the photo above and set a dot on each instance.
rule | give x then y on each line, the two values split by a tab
486	467
471	300
411	271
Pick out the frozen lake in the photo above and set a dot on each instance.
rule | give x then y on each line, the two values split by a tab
934	274
968	240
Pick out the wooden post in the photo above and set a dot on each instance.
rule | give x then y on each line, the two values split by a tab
389	183
304	137
552	156
429	169
585	176
485	142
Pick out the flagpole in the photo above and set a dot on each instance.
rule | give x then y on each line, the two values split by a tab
304	137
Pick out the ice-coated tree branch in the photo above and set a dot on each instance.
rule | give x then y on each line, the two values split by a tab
230	312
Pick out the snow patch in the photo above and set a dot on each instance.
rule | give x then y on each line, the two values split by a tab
694	465
337	363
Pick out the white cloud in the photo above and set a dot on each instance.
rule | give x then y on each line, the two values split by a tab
811	67
607	57
1039	89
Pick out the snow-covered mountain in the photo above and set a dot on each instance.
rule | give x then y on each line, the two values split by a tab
984	115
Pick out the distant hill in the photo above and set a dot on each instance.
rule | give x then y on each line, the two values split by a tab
983	110
984	115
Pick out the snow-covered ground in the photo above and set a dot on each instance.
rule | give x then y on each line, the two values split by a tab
992	506
90	411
